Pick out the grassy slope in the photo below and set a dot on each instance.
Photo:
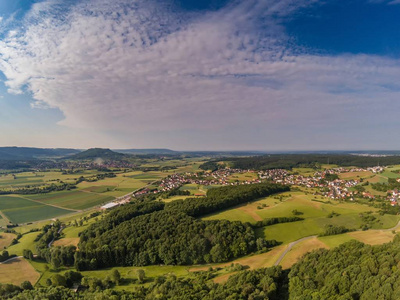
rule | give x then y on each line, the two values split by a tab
6	239
17	271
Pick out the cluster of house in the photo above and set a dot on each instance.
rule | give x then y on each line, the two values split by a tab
218	177
331	187
394	196
334	189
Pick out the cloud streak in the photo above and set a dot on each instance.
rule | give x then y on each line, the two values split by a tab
136	66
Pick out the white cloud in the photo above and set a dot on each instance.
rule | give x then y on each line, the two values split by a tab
141	67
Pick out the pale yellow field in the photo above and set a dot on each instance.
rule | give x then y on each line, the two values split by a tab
262	260
67	242
6	239
373	237
299	250
18	271
354	175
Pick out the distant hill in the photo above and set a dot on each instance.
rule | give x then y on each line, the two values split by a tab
147	151
95	153
27	153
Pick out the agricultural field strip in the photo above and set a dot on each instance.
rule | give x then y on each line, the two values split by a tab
42	203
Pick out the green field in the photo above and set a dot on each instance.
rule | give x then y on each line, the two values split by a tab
315	214
36	213
25	242
72	199
20	210
128	274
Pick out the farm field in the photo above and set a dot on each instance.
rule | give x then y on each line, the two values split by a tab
299	250
197	189
18	271
18	180
355	175
66	242
240	177
77	200
21	210
333	241
5	239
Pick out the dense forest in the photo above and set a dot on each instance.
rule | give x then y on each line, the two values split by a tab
289	161
351	271
166	237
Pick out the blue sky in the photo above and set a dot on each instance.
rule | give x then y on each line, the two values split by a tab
200	75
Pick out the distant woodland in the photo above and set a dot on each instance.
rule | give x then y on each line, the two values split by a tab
289	161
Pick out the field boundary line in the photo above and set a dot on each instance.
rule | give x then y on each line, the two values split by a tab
7	220
56	206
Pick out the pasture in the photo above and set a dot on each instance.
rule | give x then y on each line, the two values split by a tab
128	274
25	242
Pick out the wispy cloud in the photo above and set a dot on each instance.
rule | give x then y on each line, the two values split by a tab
137	66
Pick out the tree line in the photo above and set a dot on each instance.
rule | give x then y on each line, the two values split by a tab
289	161
224	197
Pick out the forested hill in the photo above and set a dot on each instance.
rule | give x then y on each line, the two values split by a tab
289	161
155	151
95	153
149	233
26	153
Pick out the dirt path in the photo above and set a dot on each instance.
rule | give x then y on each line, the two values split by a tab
290	246
10	259
59	231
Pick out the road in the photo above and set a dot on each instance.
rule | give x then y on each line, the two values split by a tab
10	259
59	231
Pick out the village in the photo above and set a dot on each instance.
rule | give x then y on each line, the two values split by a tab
327	183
